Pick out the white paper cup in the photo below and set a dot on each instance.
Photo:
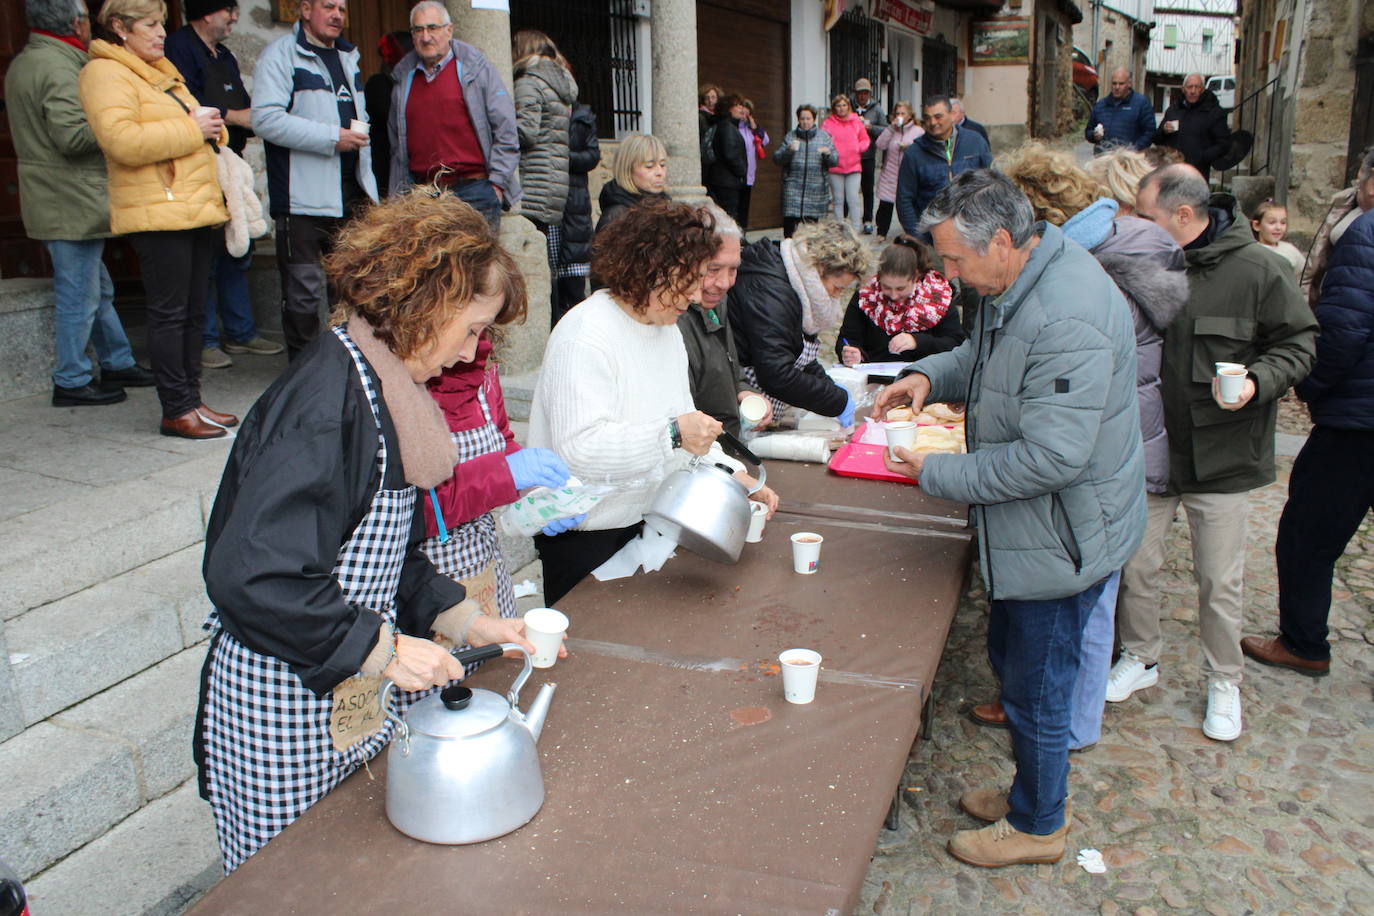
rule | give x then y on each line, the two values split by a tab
1232	383
1220	366
751	410
806	552
361	127
758	517
545	628
800	669
208	109
902	433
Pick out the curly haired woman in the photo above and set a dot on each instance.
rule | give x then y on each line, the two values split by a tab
312	557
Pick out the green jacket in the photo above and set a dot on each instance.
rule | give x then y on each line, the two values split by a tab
1243	307
61	168
1055	471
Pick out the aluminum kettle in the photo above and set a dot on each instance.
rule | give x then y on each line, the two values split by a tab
704	508
463	766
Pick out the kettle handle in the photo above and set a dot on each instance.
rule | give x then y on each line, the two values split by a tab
513	695
464	658
738	449
384	703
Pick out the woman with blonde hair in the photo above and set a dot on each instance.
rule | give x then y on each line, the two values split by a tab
1119	173
639	171
160	148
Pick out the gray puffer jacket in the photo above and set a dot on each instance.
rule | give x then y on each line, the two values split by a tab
1055	471
544	96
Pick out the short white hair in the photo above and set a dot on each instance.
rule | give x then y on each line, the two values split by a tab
726	227
431	5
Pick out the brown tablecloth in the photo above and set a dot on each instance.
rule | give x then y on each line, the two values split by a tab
677	779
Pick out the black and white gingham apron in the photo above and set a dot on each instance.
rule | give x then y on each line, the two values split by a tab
473	545
268	754
811	346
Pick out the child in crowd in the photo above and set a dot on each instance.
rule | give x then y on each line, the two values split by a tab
1270	225
903	313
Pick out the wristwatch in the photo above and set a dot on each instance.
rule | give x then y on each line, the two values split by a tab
674	434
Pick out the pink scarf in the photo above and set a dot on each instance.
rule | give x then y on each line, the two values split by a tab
921	311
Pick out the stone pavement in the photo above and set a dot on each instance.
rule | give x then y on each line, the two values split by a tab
1280	821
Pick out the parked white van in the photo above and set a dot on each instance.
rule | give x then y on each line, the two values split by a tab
1224	88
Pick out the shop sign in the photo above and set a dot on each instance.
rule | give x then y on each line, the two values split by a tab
903	13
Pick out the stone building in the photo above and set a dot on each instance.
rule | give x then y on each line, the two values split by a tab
1190	36
1122	38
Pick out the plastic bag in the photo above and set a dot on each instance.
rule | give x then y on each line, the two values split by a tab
530	513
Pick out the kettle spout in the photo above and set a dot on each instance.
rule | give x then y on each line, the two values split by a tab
534	719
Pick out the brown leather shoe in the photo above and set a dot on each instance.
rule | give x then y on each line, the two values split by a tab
991	804
991	714
191	425
1002	844
1273	652
214	416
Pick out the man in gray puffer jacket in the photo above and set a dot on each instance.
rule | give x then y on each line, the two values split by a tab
1055	476
544	96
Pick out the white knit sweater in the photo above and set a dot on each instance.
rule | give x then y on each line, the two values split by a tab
607	389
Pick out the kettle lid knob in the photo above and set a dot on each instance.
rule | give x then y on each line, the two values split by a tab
456	697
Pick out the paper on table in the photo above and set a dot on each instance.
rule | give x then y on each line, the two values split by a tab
888	369
650	550
791	448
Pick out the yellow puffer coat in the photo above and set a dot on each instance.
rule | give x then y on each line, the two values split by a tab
162	172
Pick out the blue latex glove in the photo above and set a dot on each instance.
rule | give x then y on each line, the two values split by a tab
537	467
846	416
559	525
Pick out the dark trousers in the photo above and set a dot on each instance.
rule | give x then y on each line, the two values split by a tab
1329	492
790	224
176	279
570	557
885	208
866	187
1035	649
727	199
302	243
570	291
746	193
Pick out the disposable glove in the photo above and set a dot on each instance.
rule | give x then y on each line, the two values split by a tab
559	525
537	467
846	416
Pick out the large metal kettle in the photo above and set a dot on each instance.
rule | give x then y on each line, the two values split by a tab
704	508
463	766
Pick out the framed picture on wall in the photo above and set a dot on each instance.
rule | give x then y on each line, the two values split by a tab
286	10
994	42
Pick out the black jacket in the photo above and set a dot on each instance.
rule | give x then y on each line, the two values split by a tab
1340	390
860	331
1202	136
614	200
731	168
766	316
584	154
301	476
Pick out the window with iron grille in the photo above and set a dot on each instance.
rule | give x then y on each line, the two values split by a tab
856	50
598	37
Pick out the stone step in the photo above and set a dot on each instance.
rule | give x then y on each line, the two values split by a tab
61	789
11	720
154	863
518	392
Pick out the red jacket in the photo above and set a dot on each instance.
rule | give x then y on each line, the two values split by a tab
482	484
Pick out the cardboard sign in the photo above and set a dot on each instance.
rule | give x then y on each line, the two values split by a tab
482	589
357	713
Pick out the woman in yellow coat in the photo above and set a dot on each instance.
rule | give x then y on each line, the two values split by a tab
160	149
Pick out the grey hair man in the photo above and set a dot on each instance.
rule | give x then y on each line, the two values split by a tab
1243	308
1054	471
1195	126
63	203
964	122
717	380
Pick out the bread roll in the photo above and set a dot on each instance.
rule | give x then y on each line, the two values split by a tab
900	414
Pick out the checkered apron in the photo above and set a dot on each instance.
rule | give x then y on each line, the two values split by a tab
810	347
473	545
268	754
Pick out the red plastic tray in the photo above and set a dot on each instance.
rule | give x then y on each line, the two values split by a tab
859	459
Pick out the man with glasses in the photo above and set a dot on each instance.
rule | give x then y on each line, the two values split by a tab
452	119
1124	117
319	167
1196	126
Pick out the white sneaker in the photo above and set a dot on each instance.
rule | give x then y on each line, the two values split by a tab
1128	675
1222	722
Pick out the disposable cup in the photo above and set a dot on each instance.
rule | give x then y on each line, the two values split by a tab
751	410
208	109
545	628
800	669
758	517
361	127
1220	366
806	552
1232	384
901	433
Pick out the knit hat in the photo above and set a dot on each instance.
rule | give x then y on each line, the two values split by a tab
199	9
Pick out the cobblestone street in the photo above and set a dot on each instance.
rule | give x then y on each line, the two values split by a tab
1280	821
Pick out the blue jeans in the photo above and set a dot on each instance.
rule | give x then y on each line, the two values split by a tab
1035	649
1090	689
84	297
481	195
228	299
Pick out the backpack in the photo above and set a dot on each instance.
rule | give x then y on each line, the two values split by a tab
708	146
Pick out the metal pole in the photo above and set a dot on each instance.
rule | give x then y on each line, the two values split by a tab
1097	26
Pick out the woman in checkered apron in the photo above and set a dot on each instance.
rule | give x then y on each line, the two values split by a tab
312	557
787	294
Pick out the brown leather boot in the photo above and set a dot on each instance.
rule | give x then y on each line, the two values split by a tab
214	416
1274	652
1002	844
991	714
991	804
191	425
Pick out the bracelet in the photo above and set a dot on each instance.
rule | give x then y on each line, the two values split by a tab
395	648
674	434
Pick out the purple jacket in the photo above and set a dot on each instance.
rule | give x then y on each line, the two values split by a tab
751	155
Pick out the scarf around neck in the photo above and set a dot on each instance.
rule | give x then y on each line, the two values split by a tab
820	310
428	452
921	311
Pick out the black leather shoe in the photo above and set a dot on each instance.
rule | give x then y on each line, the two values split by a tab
86	396
133	377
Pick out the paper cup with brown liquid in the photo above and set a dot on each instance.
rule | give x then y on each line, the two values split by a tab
800	669
1231	382
806	552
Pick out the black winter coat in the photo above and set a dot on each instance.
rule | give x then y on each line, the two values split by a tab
614	200
731	168
584	154
1340	390
766	316
302	474
1202	136
860	331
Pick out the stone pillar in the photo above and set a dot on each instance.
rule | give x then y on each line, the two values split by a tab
522	346
674	49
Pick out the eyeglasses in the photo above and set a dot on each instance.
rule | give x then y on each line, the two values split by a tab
432	28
